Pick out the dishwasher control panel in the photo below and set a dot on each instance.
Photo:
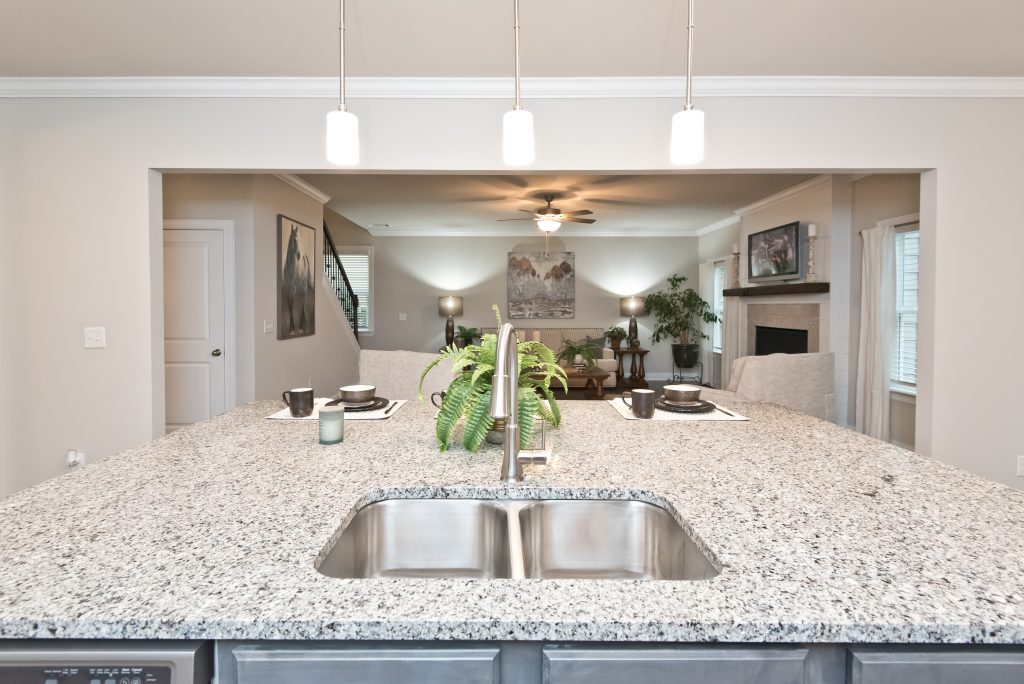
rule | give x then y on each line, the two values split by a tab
85	674
80	661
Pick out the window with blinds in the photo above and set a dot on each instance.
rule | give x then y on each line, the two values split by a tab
718	306
904	353
358	263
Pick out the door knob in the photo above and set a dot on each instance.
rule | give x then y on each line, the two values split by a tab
215	352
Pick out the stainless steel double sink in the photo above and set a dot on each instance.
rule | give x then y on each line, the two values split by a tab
506	539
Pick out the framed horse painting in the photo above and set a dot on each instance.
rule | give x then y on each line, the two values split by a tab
296	270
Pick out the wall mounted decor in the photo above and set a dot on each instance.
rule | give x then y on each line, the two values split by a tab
541	285
774	254
296	268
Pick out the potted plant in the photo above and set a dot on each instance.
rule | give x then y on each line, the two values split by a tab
469	394
466	336
679	315
577	353
615	335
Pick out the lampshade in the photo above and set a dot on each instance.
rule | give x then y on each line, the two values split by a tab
688	137
342	138
517	137
549	225
449	306
631	306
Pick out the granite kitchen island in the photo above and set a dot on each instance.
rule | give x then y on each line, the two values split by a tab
828	544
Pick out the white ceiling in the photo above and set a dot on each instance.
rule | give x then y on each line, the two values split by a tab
474	37
636	204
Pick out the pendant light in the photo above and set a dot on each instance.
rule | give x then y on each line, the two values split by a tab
342	125
688	125
517	125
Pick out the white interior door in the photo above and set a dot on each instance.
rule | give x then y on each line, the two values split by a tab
194	325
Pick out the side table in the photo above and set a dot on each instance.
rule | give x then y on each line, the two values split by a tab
636	367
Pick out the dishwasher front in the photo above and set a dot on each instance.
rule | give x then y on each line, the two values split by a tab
59	661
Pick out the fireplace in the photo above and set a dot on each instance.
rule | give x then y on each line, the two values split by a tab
768	340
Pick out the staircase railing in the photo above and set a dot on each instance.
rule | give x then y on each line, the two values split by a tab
339	281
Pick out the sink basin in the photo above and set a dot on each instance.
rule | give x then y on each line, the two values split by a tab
500	539
423	538
590	539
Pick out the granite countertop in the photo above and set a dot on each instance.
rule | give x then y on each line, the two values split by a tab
821	535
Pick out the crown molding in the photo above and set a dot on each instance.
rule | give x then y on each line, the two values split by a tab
718	225
304	187
784	194
526	232
502	88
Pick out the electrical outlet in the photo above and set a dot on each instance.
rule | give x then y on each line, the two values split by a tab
401	316
268	327
74	458
1020	466
95	338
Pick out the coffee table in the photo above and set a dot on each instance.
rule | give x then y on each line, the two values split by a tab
594	380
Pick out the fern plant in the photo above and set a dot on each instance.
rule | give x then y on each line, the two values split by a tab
469	394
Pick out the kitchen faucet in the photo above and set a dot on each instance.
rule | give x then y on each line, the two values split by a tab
505	399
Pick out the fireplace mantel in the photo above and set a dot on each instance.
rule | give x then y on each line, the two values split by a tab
785	289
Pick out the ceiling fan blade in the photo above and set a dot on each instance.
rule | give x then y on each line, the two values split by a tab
529	211
515	219
578	220
581	212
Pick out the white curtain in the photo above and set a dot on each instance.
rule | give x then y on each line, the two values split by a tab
730	337
877	327
706	289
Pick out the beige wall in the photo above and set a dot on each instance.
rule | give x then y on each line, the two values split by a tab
410	273
718	243
79	192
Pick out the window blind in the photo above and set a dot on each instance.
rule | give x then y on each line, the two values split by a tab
904	355
718	305
357	268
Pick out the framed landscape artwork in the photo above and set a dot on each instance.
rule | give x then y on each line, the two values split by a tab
296	267
541	285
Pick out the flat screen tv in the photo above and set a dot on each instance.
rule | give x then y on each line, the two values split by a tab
774	254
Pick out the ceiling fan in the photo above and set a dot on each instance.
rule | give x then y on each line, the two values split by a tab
549	218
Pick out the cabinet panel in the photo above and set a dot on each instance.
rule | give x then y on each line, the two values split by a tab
869	666
691	665
260	665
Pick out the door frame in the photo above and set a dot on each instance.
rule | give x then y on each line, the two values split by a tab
227	227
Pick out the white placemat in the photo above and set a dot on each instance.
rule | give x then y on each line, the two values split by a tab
391	409
718	414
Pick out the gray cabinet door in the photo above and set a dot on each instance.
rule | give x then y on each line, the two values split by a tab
266	665
869	666
697	665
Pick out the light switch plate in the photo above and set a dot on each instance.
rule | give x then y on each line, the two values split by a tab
268	327
401	316
1020	466
95	338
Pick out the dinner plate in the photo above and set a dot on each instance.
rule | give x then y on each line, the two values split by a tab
377	403
699	406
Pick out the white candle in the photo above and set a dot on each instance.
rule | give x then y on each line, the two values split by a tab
735	248
332	424
812	229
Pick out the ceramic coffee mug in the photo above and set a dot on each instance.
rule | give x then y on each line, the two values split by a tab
640	402
299	400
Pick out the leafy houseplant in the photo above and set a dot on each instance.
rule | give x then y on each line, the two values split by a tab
615	335
466	336
469	394
679	314
577	352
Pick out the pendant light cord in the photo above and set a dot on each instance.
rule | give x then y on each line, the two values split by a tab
689	61
342	106
519	104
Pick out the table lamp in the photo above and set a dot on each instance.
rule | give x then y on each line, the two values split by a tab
630	306
449	306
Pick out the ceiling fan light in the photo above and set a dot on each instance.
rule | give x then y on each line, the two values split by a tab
687	137
548	225
342	138
517	138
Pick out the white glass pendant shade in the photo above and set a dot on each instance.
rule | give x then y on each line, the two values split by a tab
517	137
549	225
688	137
342	138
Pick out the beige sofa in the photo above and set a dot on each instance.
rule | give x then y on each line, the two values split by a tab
553	337
803	382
